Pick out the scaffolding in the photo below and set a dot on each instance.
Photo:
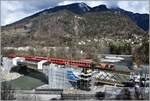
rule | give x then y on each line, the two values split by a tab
57	77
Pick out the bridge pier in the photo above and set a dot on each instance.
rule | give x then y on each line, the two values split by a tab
40	64
18	60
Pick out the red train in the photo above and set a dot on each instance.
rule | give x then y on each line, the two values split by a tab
82	64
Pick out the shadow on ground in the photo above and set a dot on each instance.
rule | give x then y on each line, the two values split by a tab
30	72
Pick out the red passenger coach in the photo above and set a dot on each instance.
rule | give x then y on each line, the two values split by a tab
80	64
34	59
56	61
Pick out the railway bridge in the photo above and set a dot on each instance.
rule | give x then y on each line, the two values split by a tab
105	73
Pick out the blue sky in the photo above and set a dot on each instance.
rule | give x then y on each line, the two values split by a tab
14	10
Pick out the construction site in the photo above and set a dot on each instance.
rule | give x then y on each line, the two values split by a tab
62	79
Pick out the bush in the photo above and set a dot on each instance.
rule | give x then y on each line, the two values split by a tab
120	48
141	53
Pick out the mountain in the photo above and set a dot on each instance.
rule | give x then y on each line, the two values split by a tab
79	27
78	8
142	20
99	8
81	8
70	24
65	28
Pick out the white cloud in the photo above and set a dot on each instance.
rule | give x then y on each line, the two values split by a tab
135	6
89	3
68	2
12	11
